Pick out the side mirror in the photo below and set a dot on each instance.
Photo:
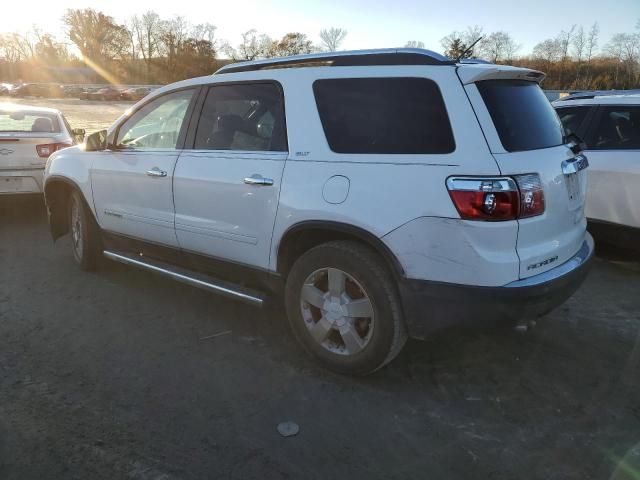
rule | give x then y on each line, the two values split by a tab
96	142
78	134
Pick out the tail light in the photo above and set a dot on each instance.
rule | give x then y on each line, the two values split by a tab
497	199
531	195
46	149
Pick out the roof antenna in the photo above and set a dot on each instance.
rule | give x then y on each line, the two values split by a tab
468	49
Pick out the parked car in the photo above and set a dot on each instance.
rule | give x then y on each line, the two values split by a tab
610	127
106	93
37	90
73	91
28	136
398	194
135	93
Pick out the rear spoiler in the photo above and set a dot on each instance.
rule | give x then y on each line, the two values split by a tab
471	73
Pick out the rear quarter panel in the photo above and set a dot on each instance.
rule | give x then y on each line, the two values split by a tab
385	191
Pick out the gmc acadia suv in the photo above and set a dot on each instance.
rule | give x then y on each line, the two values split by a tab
382	193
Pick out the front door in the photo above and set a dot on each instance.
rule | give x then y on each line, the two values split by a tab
613	150
132	182
226	187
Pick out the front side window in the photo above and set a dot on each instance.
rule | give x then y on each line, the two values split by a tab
393	115
572	118
157	124
522	115
617	129
243	117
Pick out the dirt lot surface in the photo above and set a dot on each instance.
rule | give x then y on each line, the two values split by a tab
106	375
90	115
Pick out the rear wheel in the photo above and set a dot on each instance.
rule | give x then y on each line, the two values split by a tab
85	235
343	307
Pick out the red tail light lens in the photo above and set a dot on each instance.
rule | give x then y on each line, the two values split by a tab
497	199
489	199
46	149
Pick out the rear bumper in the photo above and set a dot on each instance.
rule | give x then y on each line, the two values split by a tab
18	182
433	306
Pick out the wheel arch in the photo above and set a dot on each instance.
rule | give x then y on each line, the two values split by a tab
57	191
303	236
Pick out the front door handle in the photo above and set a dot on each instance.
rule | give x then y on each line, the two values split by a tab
258	180
156	172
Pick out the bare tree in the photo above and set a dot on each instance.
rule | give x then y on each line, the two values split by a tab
414	44
564	40
549	50
252	47
625	49
457	39
498	46
332	38
148	30
579	43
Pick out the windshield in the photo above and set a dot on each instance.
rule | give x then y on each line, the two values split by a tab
20	121
522	115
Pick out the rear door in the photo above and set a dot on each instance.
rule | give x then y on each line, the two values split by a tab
526	137
613	149
226	187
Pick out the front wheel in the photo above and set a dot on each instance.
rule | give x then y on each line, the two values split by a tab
85	235
344	308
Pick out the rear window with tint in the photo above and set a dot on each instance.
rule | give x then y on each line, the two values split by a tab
21	121
522	115
384	115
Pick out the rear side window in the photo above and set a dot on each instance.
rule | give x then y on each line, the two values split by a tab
245	117
522	115
617	129
384	115
572	118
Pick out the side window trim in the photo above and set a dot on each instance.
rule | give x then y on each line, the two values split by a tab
197	112
185	122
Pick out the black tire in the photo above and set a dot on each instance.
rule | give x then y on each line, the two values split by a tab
86	243
381	335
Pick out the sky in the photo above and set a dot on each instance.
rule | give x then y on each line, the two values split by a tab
370	23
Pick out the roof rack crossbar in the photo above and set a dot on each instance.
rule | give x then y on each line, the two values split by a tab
385	56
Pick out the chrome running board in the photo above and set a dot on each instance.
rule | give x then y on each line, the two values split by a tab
189	277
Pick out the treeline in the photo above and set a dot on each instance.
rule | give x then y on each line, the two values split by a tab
150	49
572	60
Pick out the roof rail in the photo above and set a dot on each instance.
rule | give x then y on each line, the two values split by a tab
351	58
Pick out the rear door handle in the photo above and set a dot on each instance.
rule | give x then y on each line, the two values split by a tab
156	172
258	180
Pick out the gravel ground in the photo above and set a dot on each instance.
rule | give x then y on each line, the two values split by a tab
106	375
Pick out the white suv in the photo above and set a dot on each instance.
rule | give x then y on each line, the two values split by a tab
383	193
610	127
